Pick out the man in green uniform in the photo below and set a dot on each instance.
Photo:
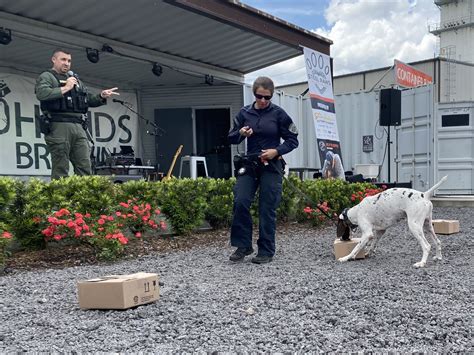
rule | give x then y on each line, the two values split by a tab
64	101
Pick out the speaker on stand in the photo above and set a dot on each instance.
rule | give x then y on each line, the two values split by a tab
390	114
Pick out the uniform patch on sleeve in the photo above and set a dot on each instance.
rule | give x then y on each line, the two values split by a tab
292	128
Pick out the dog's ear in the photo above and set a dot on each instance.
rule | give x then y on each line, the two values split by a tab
343	231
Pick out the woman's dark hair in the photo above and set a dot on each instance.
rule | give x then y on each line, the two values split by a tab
263	82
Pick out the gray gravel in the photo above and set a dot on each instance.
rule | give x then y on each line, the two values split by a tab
304	301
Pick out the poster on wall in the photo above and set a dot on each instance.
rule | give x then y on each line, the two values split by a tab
22	148
318	70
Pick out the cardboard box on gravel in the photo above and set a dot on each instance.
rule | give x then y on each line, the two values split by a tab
118	291
445	226
343	248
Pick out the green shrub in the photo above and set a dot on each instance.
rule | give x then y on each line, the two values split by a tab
219	202
5	240
183	201
290	198
142	190
92	194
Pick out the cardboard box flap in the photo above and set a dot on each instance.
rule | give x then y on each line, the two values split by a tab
121	278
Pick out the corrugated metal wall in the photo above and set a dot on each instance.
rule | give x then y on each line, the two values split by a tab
454	149
183	97
357	116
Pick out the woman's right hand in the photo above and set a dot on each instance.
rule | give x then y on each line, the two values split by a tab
246	131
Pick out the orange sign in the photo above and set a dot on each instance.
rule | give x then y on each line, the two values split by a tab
409	77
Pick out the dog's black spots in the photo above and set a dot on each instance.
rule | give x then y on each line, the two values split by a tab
403	193
409	195
422	195
378	197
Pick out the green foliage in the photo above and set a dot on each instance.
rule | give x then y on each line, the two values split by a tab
219	202
183	201
335	192
5	240
92	194
7	197
31	201
290	198
141	190
26	206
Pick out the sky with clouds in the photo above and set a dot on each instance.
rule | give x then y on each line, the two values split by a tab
367	34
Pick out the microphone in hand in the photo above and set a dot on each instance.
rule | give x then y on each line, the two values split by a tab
70	74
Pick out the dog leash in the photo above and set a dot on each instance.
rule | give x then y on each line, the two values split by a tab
295	189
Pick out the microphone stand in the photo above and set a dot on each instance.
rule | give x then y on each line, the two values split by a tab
85	126
157	131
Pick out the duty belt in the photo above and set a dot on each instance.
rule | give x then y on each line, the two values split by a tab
66	119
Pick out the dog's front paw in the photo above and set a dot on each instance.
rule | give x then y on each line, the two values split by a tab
343	259
419	264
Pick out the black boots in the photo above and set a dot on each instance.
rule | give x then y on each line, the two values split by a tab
240	254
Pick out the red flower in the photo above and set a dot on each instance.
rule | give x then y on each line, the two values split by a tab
6	235
101	221
138	234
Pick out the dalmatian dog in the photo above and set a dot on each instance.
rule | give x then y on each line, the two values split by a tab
376	213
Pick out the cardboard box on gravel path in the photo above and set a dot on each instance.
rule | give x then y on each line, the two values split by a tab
445	226
118	291
343	248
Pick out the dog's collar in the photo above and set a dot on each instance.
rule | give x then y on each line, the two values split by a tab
346	219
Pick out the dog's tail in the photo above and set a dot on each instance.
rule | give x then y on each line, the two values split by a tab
428	194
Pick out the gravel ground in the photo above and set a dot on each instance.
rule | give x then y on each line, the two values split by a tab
304	301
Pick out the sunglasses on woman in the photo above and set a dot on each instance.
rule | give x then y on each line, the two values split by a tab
266	97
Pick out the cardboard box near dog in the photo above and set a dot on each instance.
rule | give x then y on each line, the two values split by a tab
445	226
343	248
118	291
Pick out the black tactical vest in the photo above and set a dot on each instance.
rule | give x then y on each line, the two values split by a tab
74	101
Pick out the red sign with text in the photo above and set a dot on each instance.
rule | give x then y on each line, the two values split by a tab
410	77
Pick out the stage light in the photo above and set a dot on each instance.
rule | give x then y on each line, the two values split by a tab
5	35
157	69
209	79
92	55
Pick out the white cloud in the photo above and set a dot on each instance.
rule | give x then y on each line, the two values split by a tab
368	35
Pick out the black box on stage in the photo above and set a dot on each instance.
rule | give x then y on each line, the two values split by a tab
390	107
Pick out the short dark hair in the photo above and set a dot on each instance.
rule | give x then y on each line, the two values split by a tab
57	50
263	82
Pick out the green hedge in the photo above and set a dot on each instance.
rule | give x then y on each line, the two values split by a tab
186	203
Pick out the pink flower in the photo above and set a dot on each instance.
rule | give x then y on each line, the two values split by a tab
101	221
6	235
138	234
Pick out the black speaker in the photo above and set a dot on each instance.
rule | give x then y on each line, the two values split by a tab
390	107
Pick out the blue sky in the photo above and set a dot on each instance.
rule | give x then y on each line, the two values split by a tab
308	14
367	34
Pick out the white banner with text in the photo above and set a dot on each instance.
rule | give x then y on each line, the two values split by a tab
318	70
22	147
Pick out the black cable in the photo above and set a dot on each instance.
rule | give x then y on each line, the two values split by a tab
384	154
297	190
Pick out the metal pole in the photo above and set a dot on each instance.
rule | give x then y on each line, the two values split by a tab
388	152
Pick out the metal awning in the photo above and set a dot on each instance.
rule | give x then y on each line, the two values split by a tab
188	38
